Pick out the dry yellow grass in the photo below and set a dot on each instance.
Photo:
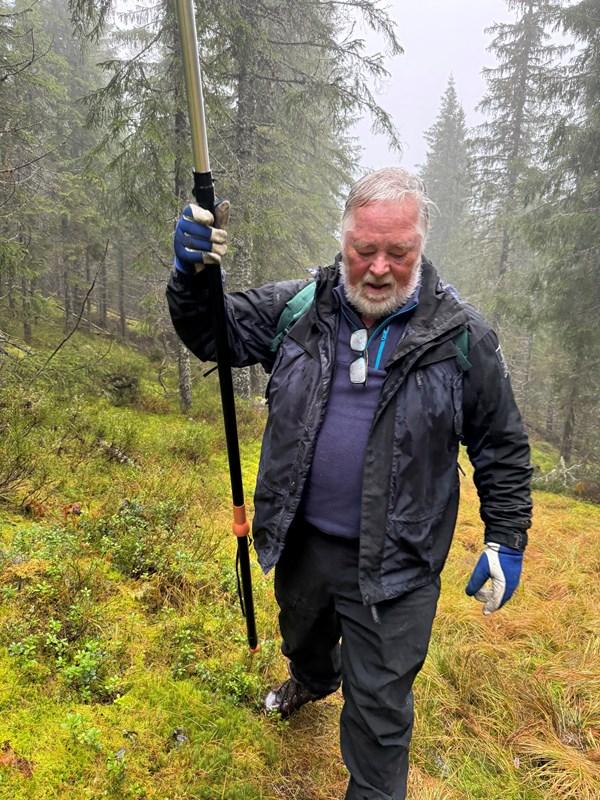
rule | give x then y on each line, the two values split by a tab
508	706
526	681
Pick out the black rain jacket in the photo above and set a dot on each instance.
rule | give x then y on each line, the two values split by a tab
427	406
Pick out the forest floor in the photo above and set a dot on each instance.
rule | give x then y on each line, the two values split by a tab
123	666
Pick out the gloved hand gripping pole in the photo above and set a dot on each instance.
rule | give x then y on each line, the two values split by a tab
204	193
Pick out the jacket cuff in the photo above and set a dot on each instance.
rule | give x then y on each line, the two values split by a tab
515	539
189	280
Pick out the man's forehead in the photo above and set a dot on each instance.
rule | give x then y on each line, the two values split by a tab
359	239
393	218
407	209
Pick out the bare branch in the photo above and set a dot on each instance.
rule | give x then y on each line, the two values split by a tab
68	336
36	159
11	14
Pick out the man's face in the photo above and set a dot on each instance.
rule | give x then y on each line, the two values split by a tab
381	255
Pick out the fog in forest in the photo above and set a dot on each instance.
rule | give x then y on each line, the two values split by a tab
484	98
124	670
439	40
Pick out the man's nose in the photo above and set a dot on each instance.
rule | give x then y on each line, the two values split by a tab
379	265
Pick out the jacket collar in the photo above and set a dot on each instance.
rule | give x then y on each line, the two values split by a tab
328	278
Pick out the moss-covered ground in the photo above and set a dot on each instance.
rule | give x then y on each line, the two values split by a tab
123	666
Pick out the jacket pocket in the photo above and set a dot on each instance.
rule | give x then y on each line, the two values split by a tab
415	546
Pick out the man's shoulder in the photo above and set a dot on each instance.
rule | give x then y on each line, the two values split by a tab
284	291
477	323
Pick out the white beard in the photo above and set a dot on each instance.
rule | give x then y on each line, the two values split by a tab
374	306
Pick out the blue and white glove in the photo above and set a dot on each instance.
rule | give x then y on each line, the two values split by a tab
196	241
502	565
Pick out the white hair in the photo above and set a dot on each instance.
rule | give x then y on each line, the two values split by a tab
390	183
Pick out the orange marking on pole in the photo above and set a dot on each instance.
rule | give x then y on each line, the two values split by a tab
241	527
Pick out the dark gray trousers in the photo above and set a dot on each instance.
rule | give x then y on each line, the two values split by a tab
316	585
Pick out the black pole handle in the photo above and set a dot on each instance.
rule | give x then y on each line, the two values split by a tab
204	192
241	527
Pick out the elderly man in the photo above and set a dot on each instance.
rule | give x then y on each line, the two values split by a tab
371	391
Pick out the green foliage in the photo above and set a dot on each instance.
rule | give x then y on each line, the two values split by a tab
123	389
59	604
195	444
29	423
88	672
139	538
116	768
448	178
185	649
544	456
234	683
564	226
82	732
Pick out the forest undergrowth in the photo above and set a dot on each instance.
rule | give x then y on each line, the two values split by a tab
124	671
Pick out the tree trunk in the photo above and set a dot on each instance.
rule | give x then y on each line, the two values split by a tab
242	272
26	308
504	250
566	445
66	289
550	417
181	191
66	294
527	371
103	294
121	292
258	381
12	303
185	376
241	380
33	288
88	281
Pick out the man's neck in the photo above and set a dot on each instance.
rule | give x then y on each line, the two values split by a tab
368	322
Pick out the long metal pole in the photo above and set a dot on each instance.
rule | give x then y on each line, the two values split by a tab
205	196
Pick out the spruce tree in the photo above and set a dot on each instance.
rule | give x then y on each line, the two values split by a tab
565	227
512	138
281	92
446	173
44	196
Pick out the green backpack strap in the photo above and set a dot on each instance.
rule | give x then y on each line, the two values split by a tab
294	309
461	343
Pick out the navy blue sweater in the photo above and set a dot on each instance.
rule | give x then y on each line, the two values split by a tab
332	496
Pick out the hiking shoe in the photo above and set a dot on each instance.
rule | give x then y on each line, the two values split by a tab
289	697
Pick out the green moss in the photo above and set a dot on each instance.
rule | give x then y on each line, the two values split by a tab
544	456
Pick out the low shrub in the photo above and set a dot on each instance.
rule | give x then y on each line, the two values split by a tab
139	538
59	593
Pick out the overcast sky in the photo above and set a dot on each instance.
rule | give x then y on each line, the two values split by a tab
440	38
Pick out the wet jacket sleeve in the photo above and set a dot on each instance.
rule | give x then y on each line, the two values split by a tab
497	445
252	318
